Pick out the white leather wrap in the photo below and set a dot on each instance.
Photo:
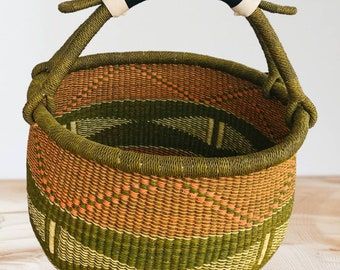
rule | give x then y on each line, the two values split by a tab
246	7
116	7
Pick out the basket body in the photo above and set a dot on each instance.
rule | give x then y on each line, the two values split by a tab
89	215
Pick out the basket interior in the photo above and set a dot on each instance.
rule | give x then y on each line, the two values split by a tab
170	109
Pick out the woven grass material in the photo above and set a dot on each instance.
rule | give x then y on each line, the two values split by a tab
163	160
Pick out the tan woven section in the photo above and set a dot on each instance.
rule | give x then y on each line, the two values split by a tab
278	238
163	207
38	220
244	260
173	82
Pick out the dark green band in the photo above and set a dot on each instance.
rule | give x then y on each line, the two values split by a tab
144	252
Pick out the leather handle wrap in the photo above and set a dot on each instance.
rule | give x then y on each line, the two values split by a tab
240	7
77	5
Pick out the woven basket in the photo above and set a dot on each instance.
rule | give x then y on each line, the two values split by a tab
163	160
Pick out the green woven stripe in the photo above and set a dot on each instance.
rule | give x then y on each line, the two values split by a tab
136	250
234	140
97	129
148	134
142	112
246	260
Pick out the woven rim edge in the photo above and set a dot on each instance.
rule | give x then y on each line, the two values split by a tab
174	166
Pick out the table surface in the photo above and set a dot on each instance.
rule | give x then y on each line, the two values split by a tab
312	242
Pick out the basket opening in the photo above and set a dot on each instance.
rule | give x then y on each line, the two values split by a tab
170	109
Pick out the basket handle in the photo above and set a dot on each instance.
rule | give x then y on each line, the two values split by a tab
62	62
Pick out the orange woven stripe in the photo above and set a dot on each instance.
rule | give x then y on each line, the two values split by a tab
169	207
182	82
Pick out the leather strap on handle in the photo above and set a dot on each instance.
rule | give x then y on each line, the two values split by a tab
62	62
240	7
77	5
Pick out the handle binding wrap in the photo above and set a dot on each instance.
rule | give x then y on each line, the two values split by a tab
241	7
246	7
77	5
117	7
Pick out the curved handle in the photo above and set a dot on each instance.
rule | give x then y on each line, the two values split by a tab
271	44
61	63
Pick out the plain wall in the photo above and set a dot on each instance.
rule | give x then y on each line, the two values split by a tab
32	30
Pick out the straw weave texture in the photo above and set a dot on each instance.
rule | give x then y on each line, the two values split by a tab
151	222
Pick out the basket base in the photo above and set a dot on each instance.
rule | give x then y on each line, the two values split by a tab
71	243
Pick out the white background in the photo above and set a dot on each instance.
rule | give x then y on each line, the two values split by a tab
32	30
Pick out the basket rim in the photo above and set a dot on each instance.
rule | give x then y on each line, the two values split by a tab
175	166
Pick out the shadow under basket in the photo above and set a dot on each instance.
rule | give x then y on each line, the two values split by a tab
162	160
